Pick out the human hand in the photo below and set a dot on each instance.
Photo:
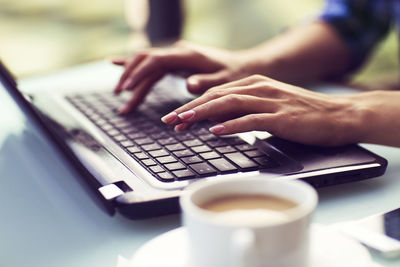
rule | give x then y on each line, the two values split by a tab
211	67
284	110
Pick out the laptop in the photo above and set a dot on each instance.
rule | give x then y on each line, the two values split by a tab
138	166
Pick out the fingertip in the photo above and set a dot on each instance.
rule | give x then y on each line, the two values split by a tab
218	129
193	85
181	127
116	61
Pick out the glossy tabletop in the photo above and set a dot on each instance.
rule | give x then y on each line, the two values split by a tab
48	219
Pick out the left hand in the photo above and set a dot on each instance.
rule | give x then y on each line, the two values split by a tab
284	110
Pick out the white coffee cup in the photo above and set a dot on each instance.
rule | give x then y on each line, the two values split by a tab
218	240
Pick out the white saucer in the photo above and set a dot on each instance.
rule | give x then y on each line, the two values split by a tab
328	249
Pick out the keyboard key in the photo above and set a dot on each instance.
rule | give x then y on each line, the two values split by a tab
210	155
184	174
223	165
175	166
165	176
150	130
226	149
151	147
100	122
241	160
166	159
112	132
175	147
130	129
137	135
127	143
216	143
140	155
235	141
192	143
144	141
119	138
159	153
203	169
183	153
167	141
200	131
156	169
201	149
149	162
133	149
190	160
184	136
254	153
159	135
122	124
208	137
107	127
244	147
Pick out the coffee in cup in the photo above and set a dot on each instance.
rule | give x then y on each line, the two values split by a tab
252	222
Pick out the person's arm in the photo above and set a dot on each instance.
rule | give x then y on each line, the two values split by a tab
294	113
305	54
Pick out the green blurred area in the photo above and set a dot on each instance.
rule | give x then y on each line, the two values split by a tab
38	36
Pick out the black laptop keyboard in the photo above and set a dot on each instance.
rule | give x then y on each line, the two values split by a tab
168	155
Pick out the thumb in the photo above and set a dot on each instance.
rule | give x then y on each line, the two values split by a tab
199	83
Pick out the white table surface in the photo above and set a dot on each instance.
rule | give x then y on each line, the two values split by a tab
48	219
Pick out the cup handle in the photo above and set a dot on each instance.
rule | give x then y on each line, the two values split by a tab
242	248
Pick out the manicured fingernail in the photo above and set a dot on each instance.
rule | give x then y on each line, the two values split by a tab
217	129
169	117
181	127
187	115
194	83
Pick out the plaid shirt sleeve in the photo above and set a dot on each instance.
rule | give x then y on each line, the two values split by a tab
361	24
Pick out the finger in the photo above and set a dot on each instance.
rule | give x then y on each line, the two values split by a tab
236	87
140	93
118	60
229	106
251	122
169	60
200	83
129	67
182	127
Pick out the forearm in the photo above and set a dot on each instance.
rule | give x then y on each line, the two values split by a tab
380	122
305	54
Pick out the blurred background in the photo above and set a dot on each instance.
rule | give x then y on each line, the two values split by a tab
39	36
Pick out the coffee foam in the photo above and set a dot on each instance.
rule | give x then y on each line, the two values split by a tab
252	217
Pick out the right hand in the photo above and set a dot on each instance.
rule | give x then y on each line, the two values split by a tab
211	66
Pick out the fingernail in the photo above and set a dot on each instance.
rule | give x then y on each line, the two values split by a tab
187	115
181	127
194	83
169	117
217	129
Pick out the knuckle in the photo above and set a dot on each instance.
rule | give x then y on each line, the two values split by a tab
234	99
256	77
216	93
256	120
